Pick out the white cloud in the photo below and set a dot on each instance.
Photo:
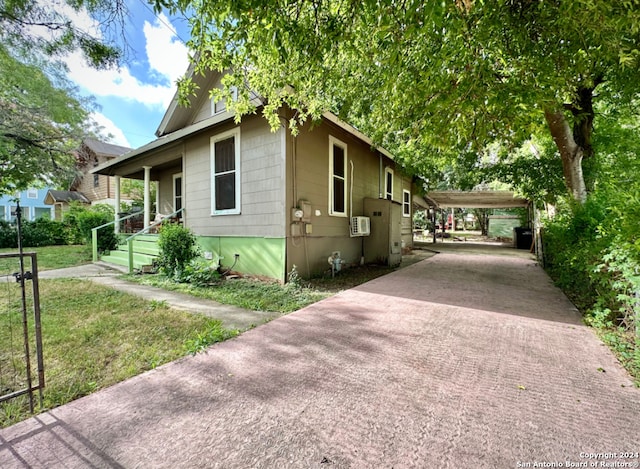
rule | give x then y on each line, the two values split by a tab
110	128
117	83
167	57
166	54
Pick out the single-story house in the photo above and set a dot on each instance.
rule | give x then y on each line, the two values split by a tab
264	201
61	200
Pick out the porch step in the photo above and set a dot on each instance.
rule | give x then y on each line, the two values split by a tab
145	252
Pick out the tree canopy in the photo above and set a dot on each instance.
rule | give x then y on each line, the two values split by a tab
42	119
429	80
40	126
44	28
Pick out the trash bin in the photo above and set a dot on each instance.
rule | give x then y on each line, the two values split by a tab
522	237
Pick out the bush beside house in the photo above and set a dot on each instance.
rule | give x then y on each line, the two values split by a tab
74	229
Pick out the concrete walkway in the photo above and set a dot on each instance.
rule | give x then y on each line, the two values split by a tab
232	317
458	361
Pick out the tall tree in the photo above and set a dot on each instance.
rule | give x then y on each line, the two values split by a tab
42	120
40	125
429	78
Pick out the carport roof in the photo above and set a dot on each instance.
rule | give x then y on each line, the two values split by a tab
475	199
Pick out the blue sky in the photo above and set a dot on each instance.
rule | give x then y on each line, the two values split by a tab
133	99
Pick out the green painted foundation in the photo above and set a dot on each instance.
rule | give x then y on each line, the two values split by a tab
258	256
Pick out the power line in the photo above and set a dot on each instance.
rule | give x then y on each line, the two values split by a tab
167	25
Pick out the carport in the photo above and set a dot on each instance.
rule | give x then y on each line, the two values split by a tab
474	199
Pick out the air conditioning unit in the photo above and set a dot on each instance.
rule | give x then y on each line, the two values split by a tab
360	226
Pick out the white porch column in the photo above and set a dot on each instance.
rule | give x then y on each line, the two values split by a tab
147	195
117	203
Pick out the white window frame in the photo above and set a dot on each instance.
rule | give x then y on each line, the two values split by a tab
176	176
235	133
388	191
218	107
334	142
406	203
32	193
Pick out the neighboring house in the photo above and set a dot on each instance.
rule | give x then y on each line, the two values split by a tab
61	200
89	188
97	188
266	201
32	203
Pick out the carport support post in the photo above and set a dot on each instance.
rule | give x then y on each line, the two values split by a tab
433	218
117	204
147	196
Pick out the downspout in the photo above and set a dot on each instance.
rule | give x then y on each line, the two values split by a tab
380	177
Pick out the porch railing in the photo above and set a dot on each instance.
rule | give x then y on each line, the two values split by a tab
146	230
130	239
94	233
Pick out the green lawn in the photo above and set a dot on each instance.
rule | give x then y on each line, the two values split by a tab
93	337
49	257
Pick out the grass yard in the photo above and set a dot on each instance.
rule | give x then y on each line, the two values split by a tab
261	295
93	337
49	257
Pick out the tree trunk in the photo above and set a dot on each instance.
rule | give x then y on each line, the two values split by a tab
570	152
574	146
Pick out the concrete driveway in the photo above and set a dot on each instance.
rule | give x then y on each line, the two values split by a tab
456	361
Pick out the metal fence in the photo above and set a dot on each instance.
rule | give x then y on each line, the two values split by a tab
20	330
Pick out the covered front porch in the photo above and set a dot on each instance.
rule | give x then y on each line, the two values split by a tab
161	169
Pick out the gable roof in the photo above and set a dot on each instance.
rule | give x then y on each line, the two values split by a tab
105	149
177	124
54	196
177	117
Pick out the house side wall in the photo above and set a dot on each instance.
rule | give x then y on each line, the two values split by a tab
262	166
308	179
165	189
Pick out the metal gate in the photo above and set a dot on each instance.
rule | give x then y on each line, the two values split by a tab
20	330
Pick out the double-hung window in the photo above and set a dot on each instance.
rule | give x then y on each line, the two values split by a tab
337	177
406	203
225	173
388	183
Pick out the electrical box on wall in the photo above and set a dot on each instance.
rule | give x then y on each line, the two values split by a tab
296	214
296	229
306	210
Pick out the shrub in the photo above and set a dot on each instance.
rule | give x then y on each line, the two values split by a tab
200	272
40	232
89	219
43	232
177	249
8	235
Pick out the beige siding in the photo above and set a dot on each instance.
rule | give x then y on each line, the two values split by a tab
262	183
407	222
165	189
309	174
